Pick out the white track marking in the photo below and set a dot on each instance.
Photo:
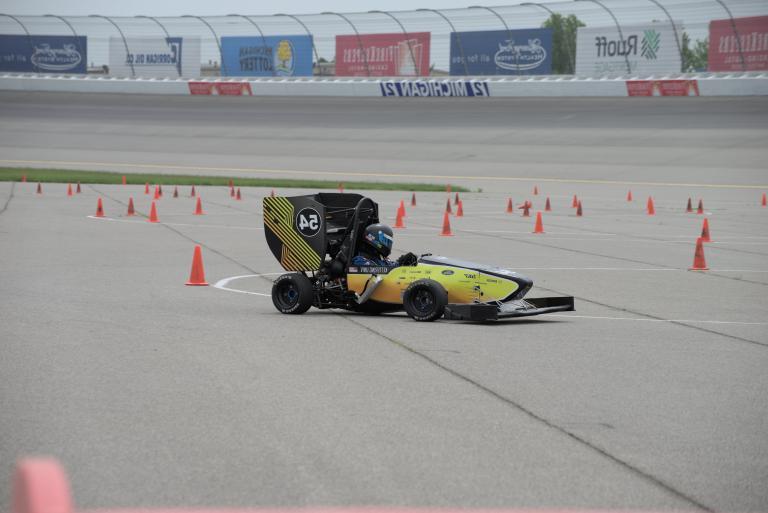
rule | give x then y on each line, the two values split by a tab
139	221
222	283
690	321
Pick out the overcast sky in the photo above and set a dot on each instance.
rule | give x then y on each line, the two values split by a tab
214	7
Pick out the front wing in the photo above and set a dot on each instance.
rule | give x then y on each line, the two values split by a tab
518	308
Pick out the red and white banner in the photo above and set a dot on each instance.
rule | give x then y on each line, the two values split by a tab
220	88
724	44
662	88
383	55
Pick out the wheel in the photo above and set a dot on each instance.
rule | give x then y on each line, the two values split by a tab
425	300
292	293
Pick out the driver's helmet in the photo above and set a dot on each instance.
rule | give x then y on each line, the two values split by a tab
380	237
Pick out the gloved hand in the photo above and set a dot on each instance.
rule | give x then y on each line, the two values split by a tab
407	259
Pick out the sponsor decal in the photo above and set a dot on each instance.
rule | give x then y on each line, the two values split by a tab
520	57
662	88
383	55
47	54
220	88
447	272
501	52
407	88
56	59
373	270
724	44
649	46
268	56
646	48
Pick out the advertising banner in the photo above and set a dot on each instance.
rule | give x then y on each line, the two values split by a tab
724	45
43	54
385	55
502	52
271	56
219	88
662	88
155	57
649	48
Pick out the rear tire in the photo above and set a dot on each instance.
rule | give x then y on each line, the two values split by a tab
292	293
425	300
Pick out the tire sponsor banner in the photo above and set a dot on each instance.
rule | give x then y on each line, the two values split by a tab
43	54
648	48
385	55
458	88
662	88
724	44
281	56
502	52
155	57
220	88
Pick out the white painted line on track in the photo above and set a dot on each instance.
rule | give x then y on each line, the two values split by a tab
690	321
634	269
222	283
139	221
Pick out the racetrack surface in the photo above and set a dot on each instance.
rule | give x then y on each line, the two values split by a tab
652	395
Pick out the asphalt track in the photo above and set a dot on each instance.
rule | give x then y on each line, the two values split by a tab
652	395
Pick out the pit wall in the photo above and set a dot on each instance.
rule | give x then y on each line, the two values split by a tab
742	84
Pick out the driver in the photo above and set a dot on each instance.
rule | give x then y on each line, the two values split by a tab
376	246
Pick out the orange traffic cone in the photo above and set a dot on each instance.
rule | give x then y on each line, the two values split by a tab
578	210
764	201
510	208
629	195
446	226
157	193
175	191
700	209
413	199
539	228
575	202
131	211
39	188
197	274
24	180
146	188
238	196
78	190
399	220
535	190
231	183
231	192
448	207
689	207
153	214
448	188
526	209
99	209
401	209
699	263
547	206
69	189
705	231
460	209
341	187
199	207
650	207
456	199
192	193
124	181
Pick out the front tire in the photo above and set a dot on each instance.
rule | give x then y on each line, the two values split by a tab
292	293
425	300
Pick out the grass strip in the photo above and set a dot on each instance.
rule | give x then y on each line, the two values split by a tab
12	174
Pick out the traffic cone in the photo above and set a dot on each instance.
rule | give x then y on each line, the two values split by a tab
131	211
650	207
399	220
153	214
69	189
238	196
547	206
160	190
448	188
705	231
157	193
456	199
699	263
78	190
535	190
39	188
175	191
448	207
446	226
197	274
231	192
460	209
413	199
199	207
510	208
24	180
192	193
526	209
700	209
231	183
341	187
401	209
124	181
99	209
539	228
629	195
764	201
575	202
689	208
146	188
578	210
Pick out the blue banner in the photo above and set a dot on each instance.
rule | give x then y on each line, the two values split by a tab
278	56
502	52
43	54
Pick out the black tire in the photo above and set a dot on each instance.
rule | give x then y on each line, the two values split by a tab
292	293
425	300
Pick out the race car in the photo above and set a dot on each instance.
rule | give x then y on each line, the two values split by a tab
315	238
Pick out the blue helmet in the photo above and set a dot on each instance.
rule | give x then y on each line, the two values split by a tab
380	237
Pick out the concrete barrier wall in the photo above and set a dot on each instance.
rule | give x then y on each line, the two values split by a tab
745	84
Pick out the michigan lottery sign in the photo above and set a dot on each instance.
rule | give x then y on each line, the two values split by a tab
648	49
270	56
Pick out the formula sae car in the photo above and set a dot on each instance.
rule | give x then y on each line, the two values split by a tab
315	237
